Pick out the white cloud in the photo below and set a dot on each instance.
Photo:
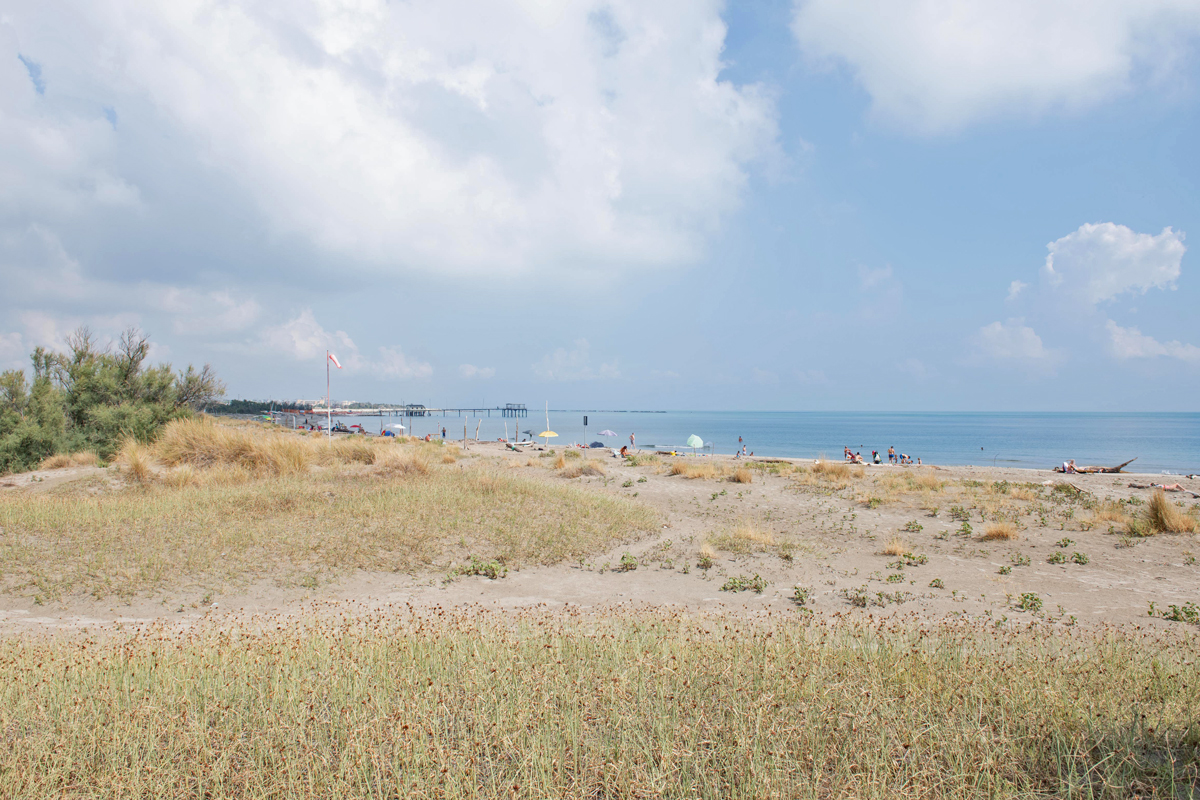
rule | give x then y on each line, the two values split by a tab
1013	341
303	339
573	365
469	371
453	136
1098	262
12	350
208	312
764	376
1127	343
394	364
871	278
1015	288
937	65
917	368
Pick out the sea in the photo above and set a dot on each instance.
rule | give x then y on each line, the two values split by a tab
1162	443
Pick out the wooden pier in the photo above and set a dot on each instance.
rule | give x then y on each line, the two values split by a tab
515	410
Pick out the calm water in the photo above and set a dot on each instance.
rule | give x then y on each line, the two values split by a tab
1161	442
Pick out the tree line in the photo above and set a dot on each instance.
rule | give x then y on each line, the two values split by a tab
92	398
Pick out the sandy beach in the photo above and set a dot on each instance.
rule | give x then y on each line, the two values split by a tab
884	540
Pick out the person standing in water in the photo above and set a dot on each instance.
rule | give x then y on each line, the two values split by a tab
631	438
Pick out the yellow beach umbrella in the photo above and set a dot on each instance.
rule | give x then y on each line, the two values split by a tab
546	435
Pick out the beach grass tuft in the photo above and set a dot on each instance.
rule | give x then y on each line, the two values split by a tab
1163	515
1003	531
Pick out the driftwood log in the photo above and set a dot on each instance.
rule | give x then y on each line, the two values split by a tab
1094	470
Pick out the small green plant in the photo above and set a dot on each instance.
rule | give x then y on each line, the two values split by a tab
642	479
740	583
912	526
627	484
895	577
627	563
1030	602
1065	542
705	562
933	511
937	583
801	595
1139	527
493	569
959	513
1006	570
965	529
1020	560
857	597
874	502
1057	558
1079	558
1188	612
915	559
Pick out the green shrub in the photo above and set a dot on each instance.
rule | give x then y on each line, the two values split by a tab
89	398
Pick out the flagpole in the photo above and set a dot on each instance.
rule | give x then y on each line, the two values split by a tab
328	402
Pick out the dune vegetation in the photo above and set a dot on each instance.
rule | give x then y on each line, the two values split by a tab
634	705
210	504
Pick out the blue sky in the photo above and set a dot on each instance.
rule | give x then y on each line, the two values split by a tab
764	205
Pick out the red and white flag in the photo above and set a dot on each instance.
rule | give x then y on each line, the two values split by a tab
333	358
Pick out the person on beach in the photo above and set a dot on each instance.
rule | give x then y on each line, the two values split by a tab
443	432
891	455
631	439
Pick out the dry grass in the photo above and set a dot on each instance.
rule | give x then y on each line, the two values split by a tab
924	480
828	475
1110	512
457	705
746	537
742	475
560	462
137	461
83	458
588	468
225	525
1021	493
836	470
707	550
896	547
1163	515
57	461
994	531
706	470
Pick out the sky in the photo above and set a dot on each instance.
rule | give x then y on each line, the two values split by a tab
883	205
